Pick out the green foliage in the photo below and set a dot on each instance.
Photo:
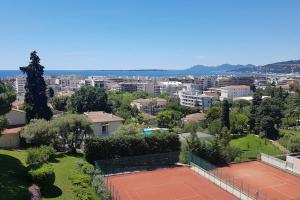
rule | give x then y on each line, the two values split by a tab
64	131
50	92
294	143
99	184
184	110
43	176
213	113
129	129
168	118
3	123
225	114
215	127
238	123
81	180
41	155
7	96
88	98
71	129
35	97
191	127
251	145
212	151
129	145
59	103
38	132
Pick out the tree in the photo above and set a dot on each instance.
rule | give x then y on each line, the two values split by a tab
88	98
50	92
71	129
3	123
59	103
213	113
168	118
238	122
215	127
191	127
35	97
253	123
7	96
39	132
225	114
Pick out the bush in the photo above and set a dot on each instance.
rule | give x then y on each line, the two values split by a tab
81	180
294	144
38	156
99	184
43	176
117	146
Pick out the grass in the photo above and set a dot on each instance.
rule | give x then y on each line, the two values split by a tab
14	181
251	146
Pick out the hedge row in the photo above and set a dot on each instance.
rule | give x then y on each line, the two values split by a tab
99	148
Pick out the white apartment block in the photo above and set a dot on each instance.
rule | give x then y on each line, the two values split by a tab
196	100
20	85
171	87
235	91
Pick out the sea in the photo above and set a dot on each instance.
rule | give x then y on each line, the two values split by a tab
124	73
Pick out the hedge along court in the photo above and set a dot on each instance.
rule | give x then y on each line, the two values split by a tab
178	183
272	182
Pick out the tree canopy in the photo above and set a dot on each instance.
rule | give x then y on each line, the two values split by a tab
35	96
88	98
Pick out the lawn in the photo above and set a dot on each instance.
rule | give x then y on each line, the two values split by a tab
252	145
14	182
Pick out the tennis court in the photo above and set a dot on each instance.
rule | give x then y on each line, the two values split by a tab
178	183
273	183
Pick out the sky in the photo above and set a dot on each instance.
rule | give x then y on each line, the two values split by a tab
143	34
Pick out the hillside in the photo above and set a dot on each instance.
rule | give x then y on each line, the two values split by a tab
223	67
279	67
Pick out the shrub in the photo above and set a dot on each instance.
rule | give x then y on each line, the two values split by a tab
43	176
129	145
81	180
99	184
37	156
294	144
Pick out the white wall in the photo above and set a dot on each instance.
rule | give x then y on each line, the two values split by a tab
112	127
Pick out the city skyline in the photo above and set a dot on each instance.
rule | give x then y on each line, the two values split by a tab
148	35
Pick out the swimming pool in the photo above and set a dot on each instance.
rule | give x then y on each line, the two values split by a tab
150	131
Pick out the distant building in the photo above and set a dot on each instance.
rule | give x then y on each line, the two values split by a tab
149	106
128	87
171	87
234	80
196	100
104	124
235	91
20	85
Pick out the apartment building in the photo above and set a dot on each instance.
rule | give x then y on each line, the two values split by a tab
20	85
196	100
235	91
234	80
171	87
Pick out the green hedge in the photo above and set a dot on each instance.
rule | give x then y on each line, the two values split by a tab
43	176
99	148
38	156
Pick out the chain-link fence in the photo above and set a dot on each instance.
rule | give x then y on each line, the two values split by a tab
231	184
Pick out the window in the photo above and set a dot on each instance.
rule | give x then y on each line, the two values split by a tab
104	129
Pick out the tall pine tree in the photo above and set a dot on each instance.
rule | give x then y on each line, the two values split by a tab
225	114
35	97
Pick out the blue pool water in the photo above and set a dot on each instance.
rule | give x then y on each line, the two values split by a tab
147	132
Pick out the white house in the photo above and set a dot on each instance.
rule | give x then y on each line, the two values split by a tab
196	100
104	124
235	91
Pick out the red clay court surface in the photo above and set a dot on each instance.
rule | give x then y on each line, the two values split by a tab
275	183
179	183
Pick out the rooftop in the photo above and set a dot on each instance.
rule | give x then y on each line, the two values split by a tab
236	87
100	116
195	117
